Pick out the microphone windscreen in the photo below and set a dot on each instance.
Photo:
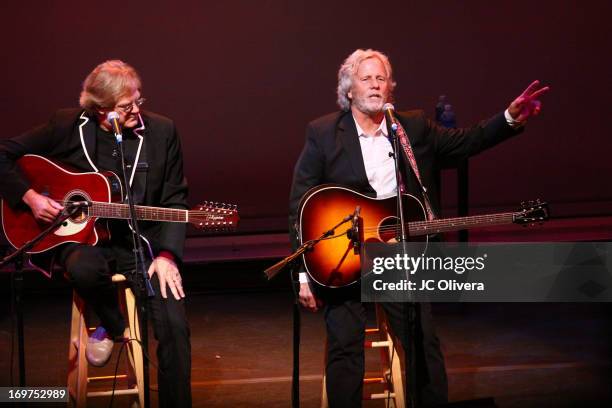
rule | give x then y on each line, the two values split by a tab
389	106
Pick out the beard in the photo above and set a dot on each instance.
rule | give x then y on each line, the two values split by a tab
369	106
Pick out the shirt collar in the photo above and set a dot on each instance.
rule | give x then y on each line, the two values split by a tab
382	128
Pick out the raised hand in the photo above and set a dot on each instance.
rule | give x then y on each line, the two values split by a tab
527	103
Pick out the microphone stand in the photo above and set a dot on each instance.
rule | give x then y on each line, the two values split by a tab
143	285
17	258
411	306
273	271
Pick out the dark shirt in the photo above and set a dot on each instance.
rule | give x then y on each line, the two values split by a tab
107	151
108	159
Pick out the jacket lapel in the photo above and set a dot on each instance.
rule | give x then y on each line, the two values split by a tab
87	135
139	168
347	133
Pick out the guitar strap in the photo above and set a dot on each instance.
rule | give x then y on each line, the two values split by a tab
405	143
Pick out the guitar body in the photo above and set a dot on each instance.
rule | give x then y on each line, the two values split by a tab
336	262
62	185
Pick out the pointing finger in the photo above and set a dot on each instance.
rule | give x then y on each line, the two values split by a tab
530	88
539	92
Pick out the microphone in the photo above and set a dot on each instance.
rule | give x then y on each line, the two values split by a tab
355	227
356	216
389	111
113	119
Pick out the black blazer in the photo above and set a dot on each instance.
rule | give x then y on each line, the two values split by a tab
332	154
70	137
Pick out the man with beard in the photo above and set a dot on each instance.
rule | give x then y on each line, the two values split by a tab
83	139
351	148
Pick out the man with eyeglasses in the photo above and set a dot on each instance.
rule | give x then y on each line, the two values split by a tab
83	139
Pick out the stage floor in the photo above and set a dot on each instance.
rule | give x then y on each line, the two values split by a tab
523	355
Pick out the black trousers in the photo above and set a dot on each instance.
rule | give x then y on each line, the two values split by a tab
345	319
90	268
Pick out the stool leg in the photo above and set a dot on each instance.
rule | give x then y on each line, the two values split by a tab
391	360
134	347
396	376
77	362
324	402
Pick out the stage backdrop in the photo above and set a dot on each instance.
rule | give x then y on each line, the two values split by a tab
243	78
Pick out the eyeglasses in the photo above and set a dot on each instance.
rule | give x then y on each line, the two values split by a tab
127	108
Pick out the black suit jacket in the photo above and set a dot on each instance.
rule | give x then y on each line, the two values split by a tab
332	154
70	137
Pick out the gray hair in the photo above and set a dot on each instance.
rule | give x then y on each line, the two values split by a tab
349	68
107	83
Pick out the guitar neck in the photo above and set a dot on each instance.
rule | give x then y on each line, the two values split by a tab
122	211
455	224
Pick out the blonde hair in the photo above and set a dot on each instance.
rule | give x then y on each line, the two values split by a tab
349	68
108	83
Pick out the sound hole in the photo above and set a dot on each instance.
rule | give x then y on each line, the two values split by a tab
81	214
389	230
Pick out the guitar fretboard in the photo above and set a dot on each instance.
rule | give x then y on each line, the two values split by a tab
122	211
454	224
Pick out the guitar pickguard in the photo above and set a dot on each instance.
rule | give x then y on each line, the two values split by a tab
70	228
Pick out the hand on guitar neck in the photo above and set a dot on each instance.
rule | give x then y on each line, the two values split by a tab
43	208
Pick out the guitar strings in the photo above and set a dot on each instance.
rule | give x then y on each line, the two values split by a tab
118	207
442	223
449	221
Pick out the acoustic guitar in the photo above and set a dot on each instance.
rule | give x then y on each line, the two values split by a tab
335	262
100	195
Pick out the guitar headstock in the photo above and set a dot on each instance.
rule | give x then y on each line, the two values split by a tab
532	212
214	217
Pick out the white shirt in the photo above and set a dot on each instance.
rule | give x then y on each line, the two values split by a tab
379	165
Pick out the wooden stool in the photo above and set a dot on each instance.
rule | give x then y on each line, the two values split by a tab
78	379
391	370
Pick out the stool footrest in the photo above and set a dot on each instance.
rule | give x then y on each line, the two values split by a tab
383	395
376	344
131	391
106	377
